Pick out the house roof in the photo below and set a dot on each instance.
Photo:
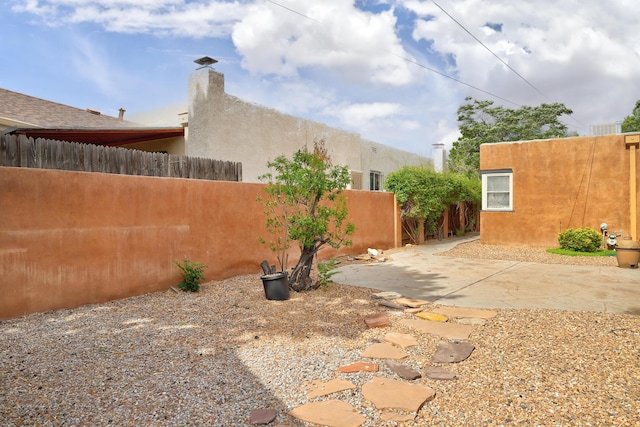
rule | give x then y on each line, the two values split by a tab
17	109
38	118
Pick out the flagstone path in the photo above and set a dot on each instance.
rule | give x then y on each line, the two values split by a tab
396	400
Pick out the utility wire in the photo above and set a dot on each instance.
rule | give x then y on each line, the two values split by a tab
490	51
454	79
293	11
439	72
501	60
409	60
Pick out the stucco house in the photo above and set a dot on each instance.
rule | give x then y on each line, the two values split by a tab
532	190
222	126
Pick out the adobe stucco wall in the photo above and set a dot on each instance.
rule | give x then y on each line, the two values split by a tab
73	238
558	184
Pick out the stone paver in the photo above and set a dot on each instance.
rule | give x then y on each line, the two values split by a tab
411	302
359	366
379	320
333	413
389	393
384	351
452	352
434	317
387	295
319	388
262	416
403	371
391	304
445	330
438	373
401	340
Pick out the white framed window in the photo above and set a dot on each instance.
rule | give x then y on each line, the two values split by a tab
497	190
375	181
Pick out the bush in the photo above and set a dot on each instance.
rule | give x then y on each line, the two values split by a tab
326	272
580	239
192	275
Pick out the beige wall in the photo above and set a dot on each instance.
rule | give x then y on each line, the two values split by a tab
224	127
559	184
169	145
382	158
72	238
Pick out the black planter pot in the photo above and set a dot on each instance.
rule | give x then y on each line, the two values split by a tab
276	286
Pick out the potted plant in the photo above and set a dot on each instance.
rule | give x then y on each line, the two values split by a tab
303	203
275	282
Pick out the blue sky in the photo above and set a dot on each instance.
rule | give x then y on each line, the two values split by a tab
372	67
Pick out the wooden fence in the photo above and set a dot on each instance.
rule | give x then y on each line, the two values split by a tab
20	151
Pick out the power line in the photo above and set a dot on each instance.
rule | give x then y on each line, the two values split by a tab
294	11
490	51
439	72
409	60
500	59
453	78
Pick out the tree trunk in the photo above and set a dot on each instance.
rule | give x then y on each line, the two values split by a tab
300	279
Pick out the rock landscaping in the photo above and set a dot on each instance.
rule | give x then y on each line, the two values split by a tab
226	356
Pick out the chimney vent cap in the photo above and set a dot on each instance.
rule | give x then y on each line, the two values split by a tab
205	61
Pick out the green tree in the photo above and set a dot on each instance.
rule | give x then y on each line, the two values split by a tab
482	122
303	203
632	123
424	194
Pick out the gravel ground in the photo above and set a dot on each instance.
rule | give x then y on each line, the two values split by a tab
209	359
475	249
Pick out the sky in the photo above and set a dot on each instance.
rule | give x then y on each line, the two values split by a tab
395	72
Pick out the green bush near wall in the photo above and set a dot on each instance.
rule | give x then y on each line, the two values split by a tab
580	239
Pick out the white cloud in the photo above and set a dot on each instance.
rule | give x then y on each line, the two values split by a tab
332	35
579	53
158	17
358	115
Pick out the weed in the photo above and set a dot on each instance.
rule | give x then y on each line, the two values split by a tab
192	275
326	272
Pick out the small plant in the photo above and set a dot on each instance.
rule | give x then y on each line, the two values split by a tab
326	272
580	239
192	275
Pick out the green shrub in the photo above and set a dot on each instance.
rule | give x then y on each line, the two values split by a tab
192	275
580	239
326	272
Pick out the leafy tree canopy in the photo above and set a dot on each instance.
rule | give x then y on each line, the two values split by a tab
424	194
482	122
303	203
632	123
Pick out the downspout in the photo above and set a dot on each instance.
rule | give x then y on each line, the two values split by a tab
632	142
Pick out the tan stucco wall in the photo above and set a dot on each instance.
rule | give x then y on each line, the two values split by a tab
72	238
224	127
382	158
170	145
558	184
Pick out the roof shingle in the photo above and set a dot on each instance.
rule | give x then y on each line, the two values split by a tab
42	113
